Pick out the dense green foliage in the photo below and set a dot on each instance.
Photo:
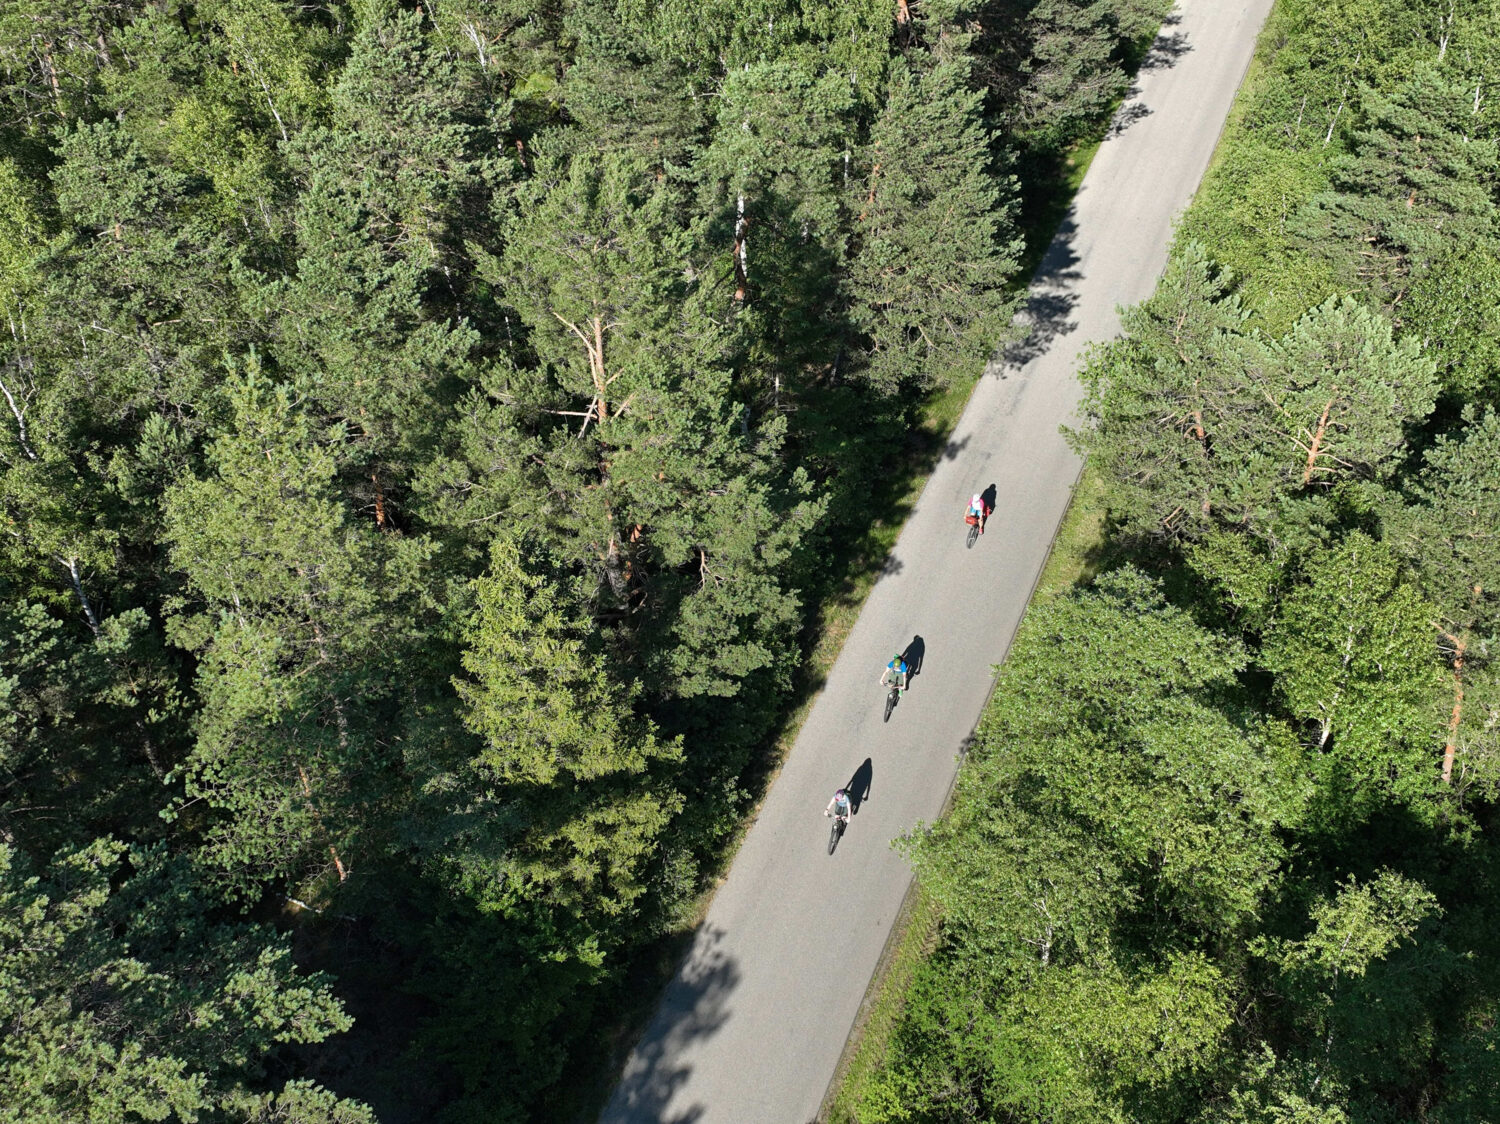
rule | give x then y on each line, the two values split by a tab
1227	848
427	434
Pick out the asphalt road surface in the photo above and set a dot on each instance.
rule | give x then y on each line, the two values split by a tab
752	1026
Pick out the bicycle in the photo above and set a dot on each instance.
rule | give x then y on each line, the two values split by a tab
891	699
974	532
839	823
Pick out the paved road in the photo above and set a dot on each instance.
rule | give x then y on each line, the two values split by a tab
752	1026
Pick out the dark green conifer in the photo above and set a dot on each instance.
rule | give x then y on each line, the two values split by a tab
934	236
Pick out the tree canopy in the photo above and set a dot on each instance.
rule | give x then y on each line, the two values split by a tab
430	438
1224	847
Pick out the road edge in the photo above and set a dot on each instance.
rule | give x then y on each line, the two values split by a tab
899	928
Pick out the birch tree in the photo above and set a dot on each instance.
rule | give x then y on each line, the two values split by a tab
1353	654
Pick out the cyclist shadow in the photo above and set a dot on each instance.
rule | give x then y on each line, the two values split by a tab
989	496
914	654
858	788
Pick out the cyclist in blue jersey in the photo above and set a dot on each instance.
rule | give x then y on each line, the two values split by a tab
895	672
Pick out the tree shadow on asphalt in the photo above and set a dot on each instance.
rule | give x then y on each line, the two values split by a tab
1047	313
1046	208
694	1007
1129	113
1165	50
1167	47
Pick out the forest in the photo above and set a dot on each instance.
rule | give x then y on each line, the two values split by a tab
433	432
1227	849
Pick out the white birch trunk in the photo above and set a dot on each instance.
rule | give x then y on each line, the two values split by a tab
71	565
741	247
20	421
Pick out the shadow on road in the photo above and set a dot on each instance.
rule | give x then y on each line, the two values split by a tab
694	1007
858	788
1168	47
915	653
1047	313
1128	114
953	448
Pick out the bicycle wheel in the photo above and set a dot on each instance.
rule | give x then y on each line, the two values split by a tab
973	536
834	833
890	702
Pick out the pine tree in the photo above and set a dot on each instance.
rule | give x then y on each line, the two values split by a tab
1170	405
575	792
387	184
1325	410
1202	423
128	318
927	283
1344	392
1449	531
624	447
1445	531
772	196
1056	67
1417	182
1073	75
133	1003
626	98
293	610
714	39
593	266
